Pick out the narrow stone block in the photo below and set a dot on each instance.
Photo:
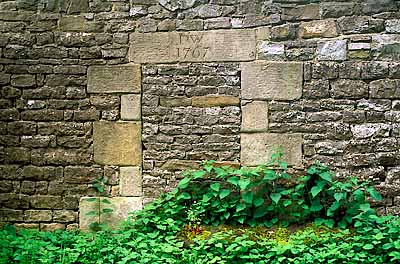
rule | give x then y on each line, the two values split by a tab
117	143
257	148
193	46
255	116
121	207
130	181
272	80
131	107
86	205
212	101
114	79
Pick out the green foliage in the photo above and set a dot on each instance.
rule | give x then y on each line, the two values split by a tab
178	227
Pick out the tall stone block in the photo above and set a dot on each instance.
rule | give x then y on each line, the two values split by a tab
114	79
130	181
255	116
131	107
87	205
257	148
193	46
117	143
272	80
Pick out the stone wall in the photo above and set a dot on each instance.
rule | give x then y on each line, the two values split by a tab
136	91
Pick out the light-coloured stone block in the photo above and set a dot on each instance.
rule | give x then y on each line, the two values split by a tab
255	116
193	46
121	207
257	148
87	205
213	101
114	79
109	211
117	143
272	80
130	181
131	107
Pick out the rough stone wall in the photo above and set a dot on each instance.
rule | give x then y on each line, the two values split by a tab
320	77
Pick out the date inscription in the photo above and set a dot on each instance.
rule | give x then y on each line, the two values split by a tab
190	46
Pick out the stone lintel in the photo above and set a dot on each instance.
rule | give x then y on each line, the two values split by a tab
193	46
114	79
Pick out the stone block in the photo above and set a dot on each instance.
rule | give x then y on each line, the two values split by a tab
302	12
255	116
121	207
117	143
114	79
78	24
318	29
37	216
257	148
272	80
335	50
131	107
86	205
51	227
130	182
217	45
213	101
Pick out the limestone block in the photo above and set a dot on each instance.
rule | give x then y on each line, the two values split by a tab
193	46
121	207
272	80
130	181
86	205
318	29
257	148
255	116
335	50
212	101
131	107
114	79
117	143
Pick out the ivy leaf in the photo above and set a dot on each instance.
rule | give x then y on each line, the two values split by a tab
184	196
91	199
339	196
233	180
107	210
368	247
260	212
374	194
248	197
184	183
275	197
240	207
243	183
207	197
327	176
215	187
258	201
315	191
91	213
106	201
224	193
316	207
286	203
198	174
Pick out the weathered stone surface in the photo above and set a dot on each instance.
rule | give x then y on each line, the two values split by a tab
218	45
87	205
121	207
174	5
360	24
370	130
302	12
336	9
393	26
38	215
213	101
272	80
388	89
114	79
131	107
130	182
318	29
254	116
78	174
349	89
335	50
78	24
117	143
257	148
270	51
51	227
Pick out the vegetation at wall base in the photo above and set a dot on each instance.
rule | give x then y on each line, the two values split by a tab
232	215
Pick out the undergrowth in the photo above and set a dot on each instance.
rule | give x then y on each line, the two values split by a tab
232	215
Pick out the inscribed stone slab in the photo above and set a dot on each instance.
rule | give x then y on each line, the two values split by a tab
121	207
193	46
114	79
257	148
272	80
131	107
255	116
130	181
117	143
